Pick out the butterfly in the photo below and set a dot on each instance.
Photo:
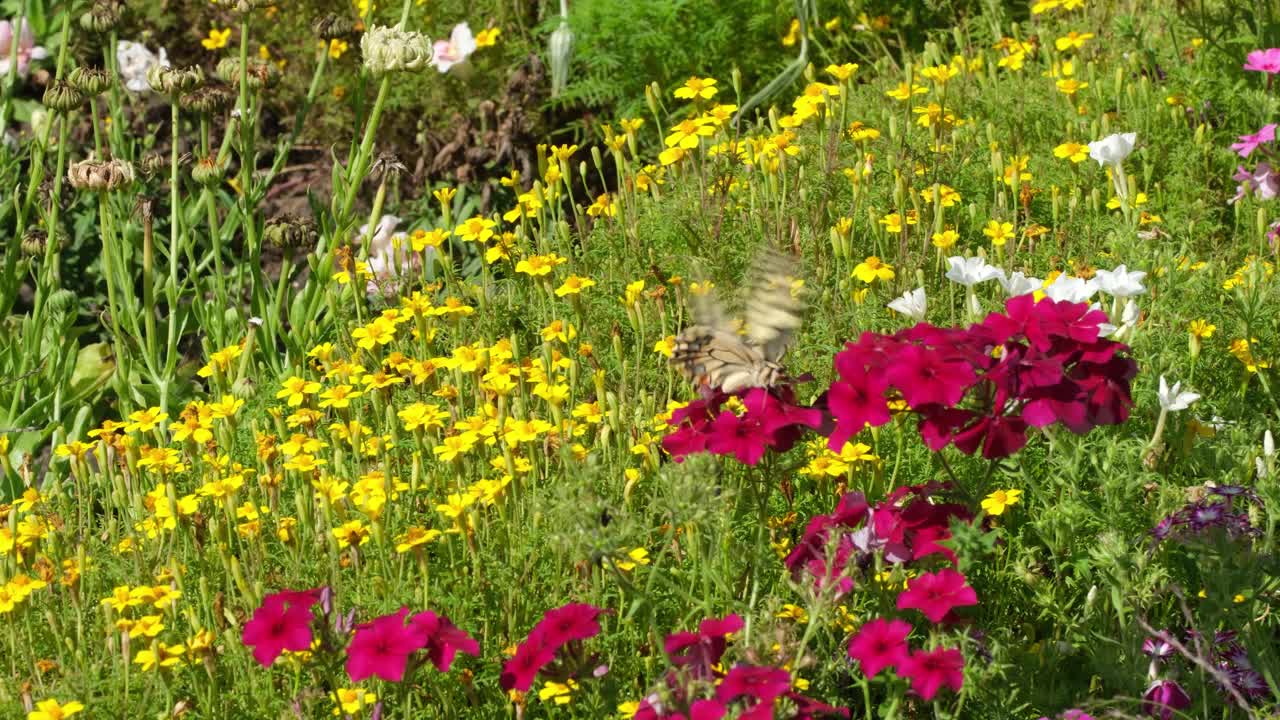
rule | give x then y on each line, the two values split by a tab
714	351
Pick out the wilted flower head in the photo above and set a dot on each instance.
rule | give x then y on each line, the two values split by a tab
456	49
135	60
390	49
26	51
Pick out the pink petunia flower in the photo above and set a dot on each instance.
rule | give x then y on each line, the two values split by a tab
444	640
282	622
702	650
1267	61
1249	143
936	594
559	626
879	644
930	670
26	51
382	647
764	684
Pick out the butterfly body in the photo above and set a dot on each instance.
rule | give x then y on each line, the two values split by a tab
732	355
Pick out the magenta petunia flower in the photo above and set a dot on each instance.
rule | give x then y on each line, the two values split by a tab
702	650
575	621
382	647
930	670
1164	698
925	377
531	656
282	622
764	684
936	594
444	640
1266	61
706	710
879	644
1249	143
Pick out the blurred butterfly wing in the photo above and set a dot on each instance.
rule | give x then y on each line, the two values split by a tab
773	309
716	357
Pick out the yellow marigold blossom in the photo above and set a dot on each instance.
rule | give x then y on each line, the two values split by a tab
296	390
696	87
352	534
220	360
793	612
872	269
894	222
339	396
998	232
147	626
1073	151
666	346
75	449
216	39
539	265
146	420
1243	351
336	49
947	195
488	37
455	445
475	229
905	90
222	487
859	132
379	332
1070	86
825	465
945	239
414	537
559	693
1016	170
842	72
633	292
351	701
636	557
574	285
687	133
939	74
1202	329
456	504
672	155
225	407
1072	41
997	502
304	463
793	33
523	431
193	427
421	239
162	459
603	206
53	710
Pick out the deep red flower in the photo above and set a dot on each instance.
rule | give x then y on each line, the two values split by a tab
764	684
879	644
936	594
282	622
443	639
382	647
930	670
925	377
701	650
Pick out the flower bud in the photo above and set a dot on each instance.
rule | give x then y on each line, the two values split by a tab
259	73
208	172
91	81
174	81
559	54
390	49
62	97
331	27
62	302
103	17
291	233
100	175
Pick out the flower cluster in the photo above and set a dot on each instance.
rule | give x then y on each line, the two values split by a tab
766	420
1218	513
562	628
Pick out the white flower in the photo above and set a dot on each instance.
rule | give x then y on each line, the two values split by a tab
1070	289
1112	149
1174	399
384	248
456	49
912	304
1128	321
971	271
1019	284
1268	444
1120	282
135	60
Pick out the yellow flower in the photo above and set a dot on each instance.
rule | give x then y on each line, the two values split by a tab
422	239
560	693
350	701
947	195
1072	41
351	533
638	556
904	91
455	445
539	265
945	239
666	346
53	710
998	501
574	285
414	537
1070	86
475	229
998	232
842	72
339	396
1073	151
793	33
444	195
296	390
217	39
872	269
337	48
793	612
1202	329
488	37
859	132
603	207
379	332
165	656
696	87
939	74
146	420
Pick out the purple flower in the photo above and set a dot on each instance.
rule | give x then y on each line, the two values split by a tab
1261	181
1249	143
1158	646
1267	61
1163	698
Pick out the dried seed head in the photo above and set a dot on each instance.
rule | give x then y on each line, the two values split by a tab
210	99
100	175
91	81
390	49
62	97
174	81
332	27
103	17
153	163
258	74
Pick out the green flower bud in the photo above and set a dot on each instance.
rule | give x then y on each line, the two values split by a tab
208	172
390	49
208	100
174	81
63	97
63	302
103	17
559	54
91	81
259	74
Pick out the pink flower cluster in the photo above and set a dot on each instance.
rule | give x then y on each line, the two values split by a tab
562	627
904	527
769	421
697	690
978	388
384	646
1039	363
